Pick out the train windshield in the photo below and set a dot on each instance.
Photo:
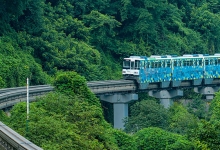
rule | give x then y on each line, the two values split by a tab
128	64
137	64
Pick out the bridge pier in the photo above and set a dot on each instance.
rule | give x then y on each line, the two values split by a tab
166	102
166	96
120	106
207	91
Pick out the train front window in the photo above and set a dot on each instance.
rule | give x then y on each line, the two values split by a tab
126	64
132	65
137	64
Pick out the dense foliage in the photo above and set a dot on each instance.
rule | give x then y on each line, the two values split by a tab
65	121
155	138
91	38
17	65
146	113
74	41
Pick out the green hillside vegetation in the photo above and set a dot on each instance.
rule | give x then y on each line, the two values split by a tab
69	42
75	121
91	38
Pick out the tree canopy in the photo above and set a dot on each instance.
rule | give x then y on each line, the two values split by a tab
69	42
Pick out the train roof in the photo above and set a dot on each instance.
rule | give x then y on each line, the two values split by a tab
173	57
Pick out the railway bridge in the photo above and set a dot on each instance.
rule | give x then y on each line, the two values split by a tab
118	92
121	92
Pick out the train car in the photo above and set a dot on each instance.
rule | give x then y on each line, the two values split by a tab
147	70
171	69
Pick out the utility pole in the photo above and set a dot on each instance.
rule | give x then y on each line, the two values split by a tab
27	107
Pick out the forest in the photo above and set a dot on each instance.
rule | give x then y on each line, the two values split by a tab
66	43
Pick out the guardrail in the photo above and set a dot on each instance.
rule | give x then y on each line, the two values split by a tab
11	96
112	86
9	139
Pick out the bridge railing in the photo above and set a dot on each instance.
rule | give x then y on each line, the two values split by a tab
11	96
9	139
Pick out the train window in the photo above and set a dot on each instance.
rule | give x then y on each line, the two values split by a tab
218	61
215	62
126	64
206	62
137	64
200	62
194	62
168	63
153	65
178	63
148	64
158	64
181	63
211	61
191	63
132	65
175	63
162	64
142	65
184	63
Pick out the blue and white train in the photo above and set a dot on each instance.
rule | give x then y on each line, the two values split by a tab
200	68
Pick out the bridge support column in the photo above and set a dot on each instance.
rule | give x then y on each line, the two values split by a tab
166	96
120	113
120	106
166	102
207	91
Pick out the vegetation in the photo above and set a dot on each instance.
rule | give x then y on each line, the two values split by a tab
69	42
146	113
153	138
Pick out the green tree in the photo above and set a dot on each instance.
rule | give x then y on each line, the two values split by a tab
59	121
215	108
17	65
10	11
31	18
195	104
206	22
180	120
2	83
207	133
125	141
146	113
73	84
3	117
153	138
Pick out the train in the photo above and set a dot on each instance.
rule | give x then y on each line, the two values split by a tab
166	69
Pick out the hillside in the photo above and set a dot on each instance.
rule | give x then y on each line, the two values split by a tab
92	37
50	41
